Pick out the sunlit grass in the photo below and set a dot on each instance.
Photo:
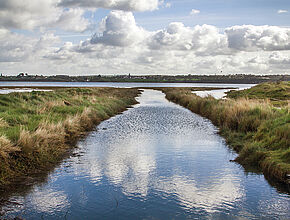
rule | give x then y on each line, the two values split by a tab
277	93
37	128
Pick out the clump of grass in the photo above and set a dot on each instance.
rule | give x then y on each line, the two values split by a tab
6	147
47	135
3	123
37	128
258	131
47	106
278	93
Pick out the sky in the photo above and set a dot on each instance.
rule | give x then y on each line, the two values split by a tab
141	37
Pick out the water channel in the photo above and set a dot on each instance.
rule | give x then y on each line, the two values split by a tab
155	161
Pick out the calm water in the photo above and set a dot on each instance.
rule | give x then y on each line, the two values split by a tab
154	161
7	91
219	93
120	85
216	93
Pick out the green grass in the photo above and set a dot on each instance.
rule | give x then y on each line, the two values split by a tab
37	128
278	93
257	130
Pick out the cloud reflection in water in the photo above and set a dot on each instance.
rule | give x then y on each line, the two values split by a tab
125	153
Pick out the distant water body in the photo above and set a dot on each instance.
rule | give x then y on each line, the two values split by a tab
120	85
214	93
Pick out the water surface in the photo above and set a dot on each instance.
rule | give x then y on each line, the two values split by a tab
7	91
154	161
119	84
220	93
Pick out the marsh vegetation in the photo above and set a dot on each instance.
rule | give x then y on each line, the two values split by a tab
37	128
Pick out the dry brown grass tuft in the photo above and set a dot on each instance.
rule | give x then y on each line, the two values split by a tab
47	106
6	147
50	137
45	137
72	126
87	119
75	125
3	123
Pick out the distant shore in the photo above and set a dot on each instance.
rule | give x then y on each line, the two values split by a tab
232	79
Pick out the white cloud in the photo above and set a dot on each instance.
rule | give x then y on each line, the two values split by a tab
200	39
72	20
279	58
27	14
194	12
31	14
253	38
67	15
281	11
279	61
126	5
66	52
14	47
119	29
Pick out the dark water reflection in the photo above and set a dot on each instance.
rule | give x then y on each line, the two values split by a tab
155	161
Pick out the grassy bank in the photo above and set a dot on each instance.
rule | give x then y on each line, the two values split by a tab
37	128
257	130
277	93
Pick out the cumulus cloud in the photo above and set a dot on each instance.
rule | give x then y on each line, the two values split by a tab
257	63
176	36
200	39
31	14
72	20
194	12
279	58
19	48
66	52
252	38
67	15
279	61
126	5
119	29
13	47
27	14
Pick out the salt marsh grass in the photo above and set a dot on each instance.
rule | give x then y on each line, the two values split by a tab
37	128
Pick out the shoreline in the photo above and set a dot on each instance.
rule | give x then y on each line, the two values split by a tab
131	82
128	78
